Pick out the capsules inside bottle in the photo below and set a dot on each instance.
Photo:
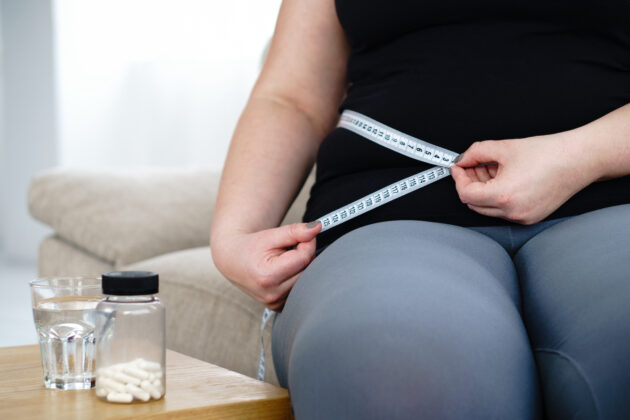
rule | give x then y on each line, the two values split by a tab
138	380
130	338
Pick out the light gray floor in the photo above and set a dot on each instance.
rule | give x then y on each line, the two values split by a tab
16	316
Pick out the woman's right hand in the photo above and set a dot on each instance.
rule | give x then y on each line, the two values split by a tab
266	264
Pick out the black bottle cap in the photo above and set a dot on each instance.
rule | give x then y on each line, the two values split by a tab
127	283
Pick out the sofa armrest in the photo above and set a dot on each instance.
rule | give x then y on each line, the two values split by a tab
126	216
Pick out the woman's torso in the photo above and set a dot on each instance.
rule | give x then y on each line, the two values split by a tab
452	73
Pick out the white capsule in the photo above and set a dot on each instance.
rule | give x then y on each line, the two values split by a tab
147	365
101	392
120	397
156	382
151	389
137	392
111	384
116	367
155	376
157	394
121	377
132	370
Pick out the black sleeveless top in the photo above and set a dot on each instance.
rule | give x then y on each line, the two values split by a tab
453	72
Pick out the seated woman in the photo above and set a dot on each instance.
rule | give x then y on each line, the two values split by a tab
500	294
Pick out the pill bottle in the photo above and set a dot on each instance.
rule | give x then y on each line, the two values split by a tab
130	338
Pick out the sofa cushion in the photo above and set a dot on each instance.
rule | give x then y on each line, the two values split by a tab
208	317
126	216
58	258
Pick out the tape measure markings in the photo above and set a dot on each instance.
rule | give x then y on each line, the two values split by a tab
399	142
383	196
395	140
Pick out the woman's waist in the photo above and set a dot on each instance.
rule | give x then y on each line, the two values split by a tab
438	202
455	112
450	121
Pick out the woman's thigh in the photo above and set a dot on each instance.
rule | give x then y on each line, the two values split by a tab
407	319
575	279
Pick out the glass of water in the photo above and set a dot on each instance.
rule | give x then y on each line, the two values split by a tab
64	312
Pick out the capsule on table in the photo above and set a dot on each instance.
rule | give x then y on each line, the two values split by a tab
119	397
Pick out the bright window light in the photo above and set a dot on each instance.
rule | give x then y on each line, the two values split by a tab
155	82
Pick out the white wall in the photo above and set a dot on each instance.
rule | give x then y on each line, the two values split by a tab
119	83
29	128
156	82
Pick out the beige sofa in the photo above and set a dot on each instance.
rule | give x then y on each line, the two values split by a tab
158	220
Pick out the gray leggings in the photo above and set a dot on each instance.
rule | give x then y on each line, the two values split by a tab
409	319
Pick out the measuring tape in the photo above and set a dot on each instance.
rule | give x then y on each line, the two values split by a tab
399	142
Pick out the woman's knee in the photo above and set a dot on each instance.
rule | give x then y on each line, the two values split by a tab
576	288
417	326
405	359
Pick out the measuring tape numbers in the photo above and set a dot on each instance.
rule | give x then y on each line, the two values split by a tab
399	142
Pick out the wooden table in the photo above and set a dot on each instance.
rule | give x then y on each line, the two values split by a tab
194	390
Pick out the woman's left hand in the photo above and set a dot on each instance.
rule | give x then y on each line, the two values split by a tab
521	180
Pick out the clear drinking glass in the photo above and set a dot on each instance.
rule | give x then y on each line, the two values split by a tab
64	313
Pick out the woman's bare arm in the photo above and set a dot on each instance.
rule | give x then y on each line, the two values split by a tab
536	175
291	108
607	140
